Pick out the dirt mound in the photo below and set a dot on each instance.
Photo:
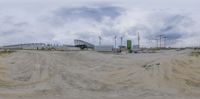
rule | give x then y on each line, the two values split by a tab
91	74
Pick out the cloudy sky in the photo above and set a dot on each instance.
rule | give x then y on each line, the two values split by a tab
62	21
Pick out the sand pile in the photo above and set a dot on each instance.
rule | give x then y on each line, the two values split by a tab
168	76
96	75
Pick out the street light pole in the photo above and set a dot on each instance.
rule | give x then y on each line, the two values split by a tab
121	41
115	41
165	40
138	39
100	40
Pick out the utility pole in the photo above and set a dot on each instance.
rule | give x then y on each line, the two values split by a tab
157	44
100	40
138	39
160	40
160	37
115	41
121	41
165	40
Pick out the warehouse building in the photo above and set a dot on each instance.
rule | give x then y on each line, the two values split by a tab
83	44
29	46
104	48
66	48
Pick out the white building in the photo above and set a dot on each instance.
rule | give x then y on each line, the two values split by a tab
29	46
104	48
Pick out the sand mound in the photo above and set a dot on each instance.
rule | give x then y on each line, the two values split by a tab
91	74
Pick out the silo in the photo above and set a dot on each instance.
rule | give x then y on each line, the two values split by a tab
129	45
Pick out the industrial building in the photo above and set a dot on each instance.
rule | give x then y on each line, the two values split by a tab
78	44
66	48
104	48
83	44
29	46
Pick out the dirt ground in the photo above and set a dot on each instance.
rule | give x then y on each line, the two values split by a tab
90	75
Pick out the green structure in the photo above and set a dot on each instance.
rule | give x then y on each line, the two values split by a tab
129	45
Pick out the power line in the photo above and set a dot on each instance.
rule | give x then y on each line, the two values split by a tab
165	40
160	37
157	44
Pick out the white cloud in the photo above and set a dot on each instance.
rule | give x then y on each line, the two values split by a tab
62	21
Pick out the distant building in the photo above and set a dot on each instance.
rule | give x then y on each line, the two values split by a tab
104	48
122	48
29	46
136	48
66	48
33	46
83	44
15	47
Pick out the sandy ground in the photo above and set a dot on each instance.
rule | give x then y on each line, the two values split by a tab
92	75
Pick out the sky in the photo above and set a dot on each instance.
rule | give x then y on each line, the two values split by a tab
62	21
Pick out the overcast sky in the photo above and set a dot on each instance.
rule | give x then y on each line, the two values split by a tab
62	21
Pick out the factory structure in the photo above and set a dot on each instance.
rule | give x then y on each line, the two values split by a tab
78	45
83	44
104	48
39	46
28	46
107	48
